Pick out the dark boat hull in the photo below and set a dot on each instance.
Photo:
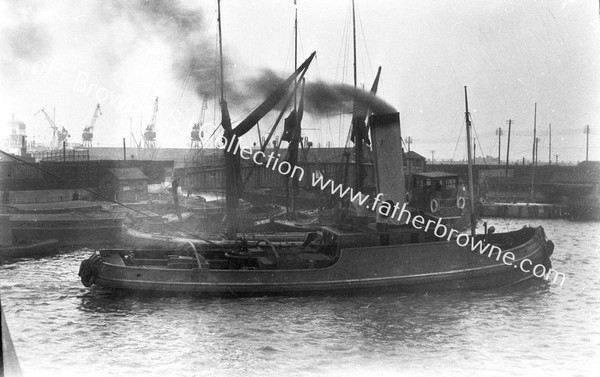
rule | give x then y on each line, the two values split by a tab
55	207
401	268
37	249
69	229
524	210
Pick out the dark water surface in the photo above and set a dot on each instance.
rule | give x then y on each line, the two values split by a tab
61	328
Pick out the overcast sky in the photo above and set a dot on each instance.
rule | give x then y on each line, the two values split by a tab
70	55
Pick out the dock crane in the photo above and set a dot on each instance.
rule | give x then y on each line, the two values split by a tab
150	132
58	135
88	132
196	134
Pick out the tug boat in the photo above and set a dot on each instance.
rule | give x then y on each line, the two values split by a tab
390	255
342	260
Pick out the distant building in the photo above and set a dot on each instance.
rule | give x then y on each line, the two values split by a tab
590	165
414	162
15	142
124	184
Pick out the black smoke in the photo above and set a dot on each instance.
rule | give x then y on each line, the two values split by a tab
321	98
191	39
195	61
185	31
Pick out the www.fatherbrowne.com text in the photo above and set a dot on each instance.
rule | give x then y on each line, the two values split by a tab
398	213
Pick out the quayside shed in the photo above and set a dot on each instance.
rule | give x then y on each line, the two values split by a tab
124	184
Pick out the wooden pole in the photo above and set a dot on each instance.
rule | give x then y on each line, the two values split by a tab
508	145
533	150
295	183
357	136
550	144
221	52
587	141
499	142
470	164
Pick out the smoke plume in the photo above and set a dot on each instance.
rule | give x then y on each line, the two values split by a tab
188	35
195	61
27	41
321	98
184	30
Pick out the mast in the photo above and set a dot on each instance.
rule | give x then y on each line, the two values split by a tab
354	40
293	135
358	134
232	162
470	164
295	49
233	182
220	50
293	144
533	149
358	139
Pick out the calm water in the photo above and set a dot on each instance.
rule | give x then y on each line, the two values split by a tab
61	328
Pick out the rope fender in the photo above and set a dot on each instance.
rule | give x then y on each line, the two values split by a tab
88	270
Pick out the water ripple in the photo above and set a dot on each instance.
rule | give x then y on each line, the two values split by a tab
61	328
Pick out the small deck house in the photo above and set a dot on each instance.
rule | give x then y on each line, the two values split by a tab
124	184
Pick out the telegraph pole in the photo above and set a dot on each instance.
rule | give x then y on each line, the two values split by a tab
499	133
556	159
587	141
550	144
533	150
508	145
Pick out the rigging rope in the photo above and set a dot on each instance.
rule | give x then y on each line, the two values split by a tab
458	139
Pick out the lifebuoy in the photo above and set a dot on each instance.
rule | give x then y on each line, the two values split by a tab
460	202
434	205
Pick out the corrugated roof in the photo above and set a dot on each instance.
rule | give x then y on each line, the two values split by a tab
127	173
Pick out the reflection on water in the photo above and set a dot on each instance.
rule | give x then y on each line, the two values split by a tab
61	328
